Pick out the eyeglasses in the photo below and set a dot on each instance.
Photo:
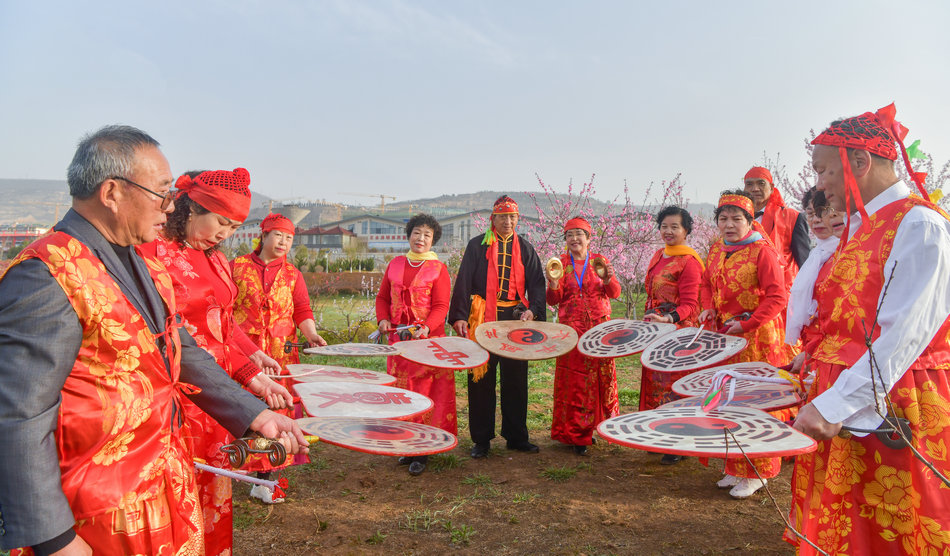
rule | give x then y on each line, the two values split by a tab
826	211
167	198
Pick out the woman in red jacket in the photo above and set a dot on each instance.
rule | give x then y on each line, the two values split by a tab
585	388
272	302
744	275
415	291
672	287
208	209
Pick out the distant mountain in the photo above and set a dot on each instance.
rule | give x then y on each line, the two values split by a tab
42	202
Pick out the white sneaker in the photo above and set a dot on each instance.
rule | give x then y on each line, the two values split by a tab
746	488
264	494
728	481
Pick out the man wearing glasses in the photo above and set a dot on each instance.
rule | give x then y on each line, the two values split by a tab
94	365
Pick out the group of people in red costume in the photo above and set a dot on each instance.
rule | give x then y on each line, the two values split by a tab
863	318
156	350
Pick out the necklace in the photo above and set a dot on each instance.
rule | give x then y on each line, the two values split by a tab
417	265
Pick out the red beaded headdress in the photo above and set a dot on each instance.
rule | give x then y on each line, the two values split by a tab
220	191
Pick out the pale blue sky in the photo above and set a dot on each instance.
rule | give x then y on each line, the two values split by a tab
419	98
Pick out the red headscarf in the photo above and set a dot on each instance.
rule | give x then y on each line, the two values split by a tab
220	191
278	222
758	172
578	223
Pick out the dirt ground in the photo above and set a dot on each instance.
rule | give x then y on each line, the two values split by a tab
615	500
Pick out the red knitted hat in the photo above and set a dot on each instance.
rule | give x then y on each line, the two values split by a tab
874	133
278	222
220	191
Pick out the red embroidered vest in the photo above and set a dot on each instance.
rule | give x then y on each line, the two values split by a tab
267	318
420	290
662	287
587	304
778	221
114	435
734	280
849	297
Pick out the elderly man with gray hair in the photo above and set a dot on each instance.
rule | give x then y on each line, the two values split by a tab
95	363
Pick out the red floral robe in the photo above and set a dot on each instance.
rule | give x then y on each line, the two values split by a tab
419	294
750	278
585	388
269	314
674	280
126	472
205	293
854	495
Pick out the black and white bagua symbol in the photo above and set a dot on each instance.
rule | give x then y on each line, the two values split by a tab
696	384
620	337
449	352
526	340
677	351
380	436
357	350
305	372
355	399
757	397
691	432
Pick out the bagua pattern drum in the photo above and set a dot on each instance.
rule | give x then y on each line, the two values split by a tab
380	436
691	432
356	350
696	384
449	352
351	399
620	337
526	340
304	372
678	351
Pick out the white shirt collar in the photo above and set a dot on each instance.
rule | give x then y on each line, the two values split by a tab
896	192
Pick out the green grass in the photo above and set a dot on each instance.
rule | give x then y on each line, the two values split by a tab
441	462
479	479
559	474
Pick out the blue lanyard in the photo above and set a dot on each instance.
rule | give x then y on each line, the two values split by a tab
580	281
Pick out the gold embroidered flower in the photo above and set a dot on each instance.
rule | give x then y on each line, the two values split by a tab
927	408
845	466
892	499
114	449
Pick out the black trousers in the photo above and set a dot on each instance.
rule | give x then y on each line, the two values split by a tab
514	398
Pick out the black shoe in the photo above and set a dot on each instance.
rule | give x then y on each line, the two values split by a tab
404	460
480	450
418	465
524	446
670	459
580	450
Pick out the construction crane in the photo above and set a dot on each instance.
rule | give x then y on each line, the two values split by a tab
382	198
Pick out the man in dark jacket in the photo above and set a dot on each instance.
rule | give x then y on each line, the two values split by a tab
500	278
